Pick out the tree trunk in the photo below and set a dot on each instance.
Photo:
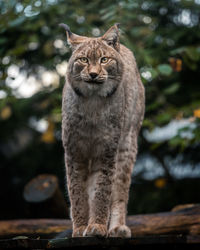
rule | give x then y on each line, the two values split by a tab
44	198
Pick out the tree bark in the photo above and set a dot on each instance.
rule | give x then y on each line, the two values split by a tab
185	222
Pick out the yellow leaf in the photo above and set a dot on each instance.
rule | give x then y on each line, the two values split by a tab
48	135
197	113
160	183
6	112
176	64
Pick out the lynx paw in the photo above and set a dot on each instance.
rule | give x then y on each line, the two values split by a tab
78	232
120	231
95	230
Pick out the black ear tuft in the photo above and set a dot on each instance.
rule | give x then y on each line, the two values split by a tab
66	27
118	25
72	39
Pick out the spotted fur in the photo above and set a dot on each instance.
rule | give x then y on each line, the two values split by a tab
102	112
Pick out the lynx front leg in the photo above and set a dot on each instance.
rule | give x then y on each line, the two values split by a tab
99	200
76	180
120	189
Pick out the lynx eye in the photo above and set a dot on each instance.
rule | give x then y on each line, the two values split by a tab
104	59
83	59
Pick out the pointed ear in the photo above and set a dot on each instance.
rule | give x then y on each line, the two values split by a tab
112	36
72	39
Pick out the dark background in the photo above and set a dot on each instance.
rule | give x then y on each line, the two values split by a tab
165	38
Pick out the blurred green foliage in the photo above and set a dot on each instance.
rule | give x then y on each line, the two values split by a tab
165	38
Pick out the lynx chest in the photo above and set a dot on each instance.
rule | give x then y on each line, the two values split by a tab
92	125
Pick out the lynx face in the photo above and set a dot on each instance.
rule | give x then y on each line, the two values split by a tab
95	68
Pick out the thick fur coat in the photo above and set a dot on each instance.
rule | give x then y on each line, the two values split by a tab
102	112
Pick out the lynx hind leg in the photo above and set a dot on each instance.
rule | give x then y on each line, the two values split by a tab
120	189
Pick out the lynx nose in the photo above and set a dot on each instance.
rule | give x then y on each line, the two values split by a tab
93	75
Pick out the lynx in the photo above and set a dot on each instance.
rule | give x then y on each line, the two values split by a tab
102	112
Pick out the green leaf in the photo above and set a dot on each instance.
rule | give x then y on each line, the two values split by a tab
17	21
177	51
190	63
172	89
192	53
3	40
165	69
175	141
163	118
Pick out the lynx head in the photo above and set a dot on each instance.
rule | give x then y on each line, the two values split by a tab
96	66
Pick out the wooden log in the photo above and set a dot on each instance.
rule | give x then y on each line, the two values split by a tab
44	198
33	227
186	222
155	242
